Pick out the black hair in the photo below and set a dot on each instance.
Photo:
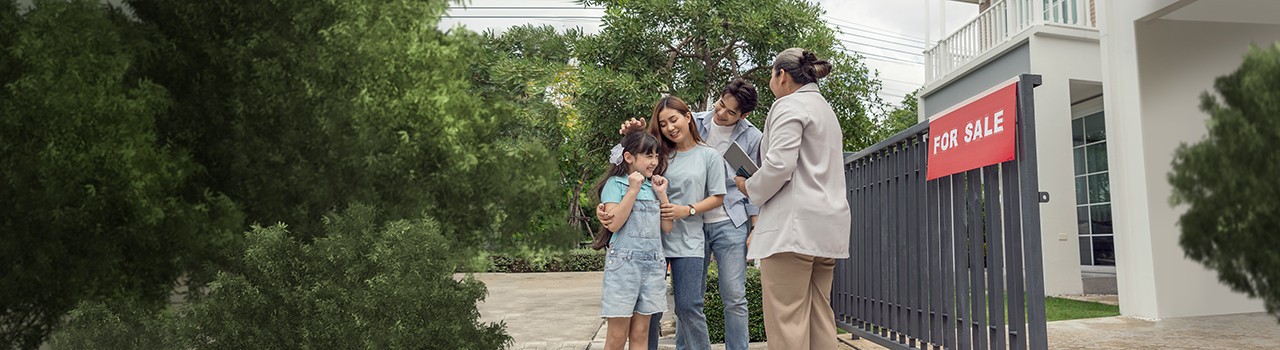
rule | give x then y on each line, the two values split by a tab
743	91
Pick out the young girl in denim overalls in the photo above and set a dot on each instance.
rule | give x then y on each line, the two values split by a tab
634	284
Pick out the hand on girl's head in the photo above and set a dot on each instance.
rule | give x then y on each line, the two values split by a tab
631	125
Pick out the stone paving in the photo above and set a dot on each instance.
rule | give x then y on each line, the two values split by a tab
554	311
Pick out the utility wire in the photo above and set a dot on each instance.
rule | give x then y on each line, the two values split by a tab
912	42
883	40
913	54
880	57
881	31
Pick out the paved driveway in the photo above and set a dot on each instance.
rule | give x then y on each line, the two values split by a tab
558	310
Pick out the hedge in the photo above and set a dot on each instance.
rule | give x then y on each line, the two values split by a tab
571	261
714	307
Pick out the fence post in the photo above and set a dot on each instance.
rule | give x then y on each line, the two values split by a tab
1030	193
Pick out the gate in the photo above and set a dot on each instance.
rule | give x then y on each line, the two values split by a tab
953	262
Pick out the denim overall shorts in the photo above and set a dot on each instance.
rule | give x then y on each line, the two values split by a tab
635	271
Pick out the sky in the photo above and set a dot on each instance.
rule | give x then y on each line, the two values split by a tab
890	34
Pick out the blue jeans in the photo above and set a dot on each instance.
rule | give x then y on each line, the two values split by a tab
688	278
729	244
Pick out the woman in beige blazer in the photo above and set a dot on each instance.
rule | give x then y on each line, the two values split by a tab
804	216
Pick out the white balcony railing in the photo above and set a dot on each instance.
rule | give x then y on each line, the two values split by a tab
999	23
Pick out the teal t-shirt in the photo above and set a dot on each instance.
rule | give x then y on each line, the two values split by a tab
616	187
694	175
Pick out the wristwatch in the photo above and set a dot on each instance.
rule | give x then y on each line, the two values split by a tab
692	210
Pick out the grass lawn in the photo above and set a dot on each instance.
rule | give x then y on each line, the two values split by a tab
1058	309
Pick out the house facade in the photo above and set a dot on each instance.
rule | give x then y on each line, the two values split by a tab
1121	87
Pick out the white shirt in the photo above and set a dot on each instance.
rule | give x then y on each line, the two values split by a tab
718	137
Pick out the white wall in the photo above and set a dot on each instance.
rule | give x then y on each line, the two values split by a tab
1155	71
1058	60
1179	60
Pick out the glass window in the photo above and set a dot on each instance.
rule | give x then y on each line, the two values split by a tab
1082	191
1082	220
1094	226
1095	128
1104	251
1096	158
1100	219
1099	188
1080	161
1086	251
1077	132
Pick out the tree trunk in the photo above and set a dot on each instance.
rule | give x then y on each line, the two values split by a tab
576	218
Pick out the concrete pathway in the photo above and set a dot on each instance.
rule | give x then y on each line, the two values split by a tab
1242	331
553	311
544	310
556	311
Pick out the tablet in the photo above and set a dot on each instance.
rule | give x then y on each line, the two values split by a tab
739	161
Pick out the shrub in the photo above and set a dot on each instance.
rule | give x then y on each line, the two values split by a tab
120	324
360	286
714	307
575	260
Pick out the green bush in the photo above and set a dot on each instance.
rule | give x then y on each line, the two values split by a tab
362	285
714	307
119	324
571	261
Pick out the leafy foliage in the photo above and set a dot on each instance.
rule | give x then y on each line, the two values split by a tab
360	286
342	102
1227	183
135	146
92	203
532	67
577	260
692	48
902	117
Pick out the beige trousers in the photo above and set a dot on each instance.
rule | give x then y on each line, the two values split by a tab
797	302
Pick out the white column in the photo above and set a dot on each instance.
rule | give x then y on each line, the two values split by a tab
1135	270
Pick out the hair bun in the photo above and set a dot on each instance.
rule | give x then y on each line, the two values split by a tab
807	58
821	69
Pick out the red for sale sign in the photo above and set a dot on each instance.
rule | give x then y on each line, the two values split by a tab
975	135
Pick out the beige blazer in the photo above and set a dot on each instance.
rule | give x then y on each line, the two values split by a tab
800	186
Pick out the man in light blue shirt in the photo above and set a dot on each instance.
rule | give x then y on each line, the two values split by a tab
728	228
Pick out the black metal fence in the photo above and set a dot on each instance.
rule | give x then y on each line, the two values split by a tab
951	263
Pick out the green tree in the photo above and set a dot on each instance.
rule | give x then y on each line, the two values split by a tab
533	68
1227	183
362	285
692	48
335	102
905	115
92	206
135	145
